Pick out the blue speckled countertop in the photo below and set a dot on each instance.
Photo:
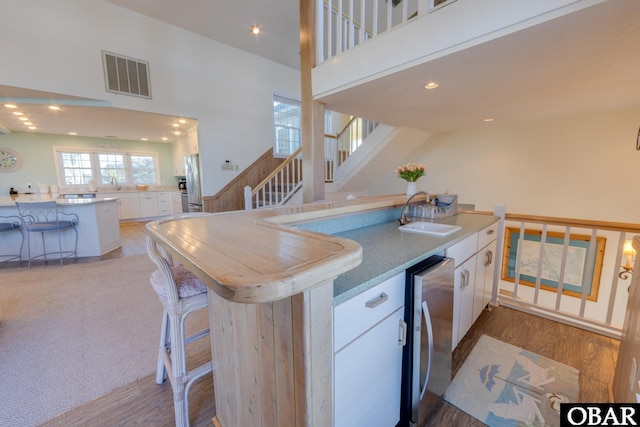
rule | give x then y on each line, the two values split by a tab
388	251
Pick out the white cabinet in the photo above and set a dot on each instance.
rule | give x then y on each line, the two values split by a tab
108	226
475	263
176	203
178	151
164	203
188	144
485	268
369	334
151	204
128	206
192	141
148	205
464	292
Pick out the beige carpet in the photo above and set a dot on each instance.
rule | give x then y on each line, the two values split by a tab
73	333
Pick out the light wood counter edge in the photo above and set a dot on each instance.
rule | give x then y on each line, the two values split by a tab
260	288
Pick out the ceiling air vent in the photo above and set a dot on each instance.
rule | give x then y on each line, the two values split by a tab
126	75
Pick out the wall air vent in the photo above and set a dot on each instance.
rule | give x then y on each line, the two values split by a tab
126	75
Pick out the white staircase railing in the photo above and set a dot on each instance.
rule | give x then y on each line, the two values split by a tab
286	179
568	270
339	148
343	24
279	186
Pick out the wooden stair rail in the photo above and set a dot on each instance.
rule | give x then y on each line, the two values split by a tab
231	196
288	173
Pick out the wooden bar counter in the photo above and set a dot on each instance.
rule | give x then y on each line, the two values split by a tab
270	305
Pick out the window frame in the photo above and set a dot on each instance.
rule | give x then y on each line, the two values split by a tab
94	158
290	100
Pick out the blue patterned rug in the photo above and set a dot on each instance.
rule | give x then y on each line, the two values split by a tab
503	385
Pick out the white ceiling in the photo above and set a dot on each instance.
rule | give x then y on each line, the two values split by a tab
585	62
85	117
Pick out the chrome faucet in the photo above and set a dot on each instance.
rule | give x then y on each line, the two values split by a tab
403	219
114	181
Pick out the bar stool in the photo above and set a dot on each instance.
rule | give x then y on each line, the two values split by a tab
43	217
12	223
181	293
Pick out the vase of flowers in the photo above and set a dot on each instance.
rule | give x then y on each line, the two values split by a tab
411	172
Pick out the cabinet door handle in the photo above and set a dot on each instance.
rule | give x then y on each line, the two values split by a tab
462	279
466	278
490	232
489	258
377	301
402	341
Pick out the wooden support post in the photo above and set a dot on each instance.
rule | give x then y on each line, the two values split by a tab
312	113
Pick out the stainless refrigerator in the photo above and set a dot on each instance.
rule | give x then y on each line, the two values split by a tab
194	192
427	361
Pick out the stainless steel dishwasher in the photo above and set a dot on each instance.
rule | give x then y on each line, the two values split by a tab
427	358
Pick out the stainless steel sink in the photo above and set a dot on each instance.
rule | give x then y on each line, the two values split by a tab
433	228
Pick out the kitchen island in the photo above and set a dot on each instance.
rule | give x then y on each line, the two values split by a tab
98	226
271	276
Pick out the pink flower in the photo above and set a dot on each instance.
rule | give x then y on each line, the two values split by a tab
411	172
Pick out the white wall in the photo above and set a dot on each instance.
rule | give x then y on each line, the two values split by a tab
575	167
56	47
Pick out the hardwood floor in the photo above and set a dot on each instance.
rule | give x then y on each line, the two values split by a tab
148	404
593	355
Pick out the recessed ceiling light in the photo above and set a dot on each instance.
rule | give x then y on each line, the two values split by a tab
33	127
27	123
431	85
72	133
175	125
18	113
255	30
11	105
177	132
54	107
488	119
183	121
164	138
23	118
144	139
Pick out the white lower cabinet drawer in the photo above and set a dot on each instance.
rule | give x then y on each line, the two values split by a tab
353	317
463	250
487	235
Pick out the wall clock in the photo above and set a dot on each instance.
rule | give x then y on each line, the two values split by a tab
10	160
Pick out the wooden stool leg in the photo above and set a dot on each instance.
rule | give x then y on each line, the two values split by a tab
178	369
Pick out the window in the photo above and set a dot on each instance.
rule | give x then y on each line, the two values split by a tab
112	166
286	120
76	168
79	166
143	169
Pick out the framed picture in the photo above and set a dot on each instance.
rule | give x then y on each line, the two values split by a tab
576	267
